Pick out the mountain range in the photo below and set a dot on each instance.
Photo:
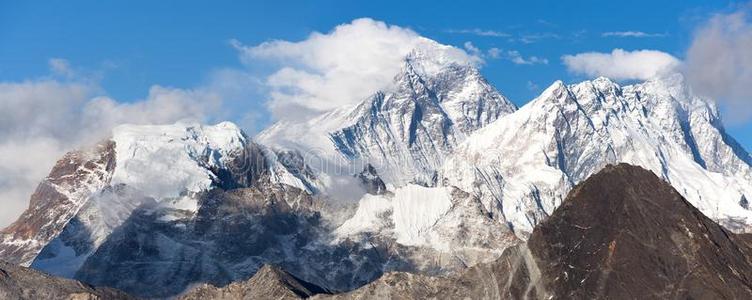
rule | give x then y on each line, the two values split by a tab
436	176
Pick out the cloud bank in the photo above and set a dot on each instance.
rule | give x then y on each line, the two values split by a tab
341	67
719	63
42	119
621	64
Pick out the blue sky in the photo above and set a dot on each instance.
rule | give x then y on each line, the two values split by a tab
134	45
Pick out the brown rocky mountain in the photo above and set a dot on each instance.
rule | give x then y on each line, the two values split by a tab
626	234
23	283
268	283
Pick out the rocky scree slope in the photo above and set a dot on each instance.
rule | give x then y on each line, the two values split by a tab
20	283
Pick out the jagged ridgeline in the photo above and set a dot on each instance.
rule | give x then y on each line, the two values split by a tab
621	234
433	175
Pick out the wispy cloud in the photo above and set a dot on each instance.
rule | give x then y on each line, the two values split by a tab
59	66
719	61
516	57
529	38
633	34
480	32
532	86
546	23
472	49
517	36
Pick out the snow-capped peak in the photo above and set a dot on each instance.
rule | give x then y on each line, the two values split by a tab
167	160
429	58
571	131
405	132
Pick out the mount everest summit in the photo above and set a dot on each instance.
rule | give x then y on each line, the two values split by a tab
434	174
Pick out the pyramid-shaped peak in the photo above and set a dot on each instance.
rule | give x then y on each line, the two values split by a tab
429	58
269	282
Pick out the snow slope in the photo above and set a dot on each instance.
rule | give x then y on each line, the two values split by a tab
167	160
524	164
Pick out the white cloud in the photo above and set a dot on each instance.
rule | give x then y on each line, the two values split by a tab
719	63
42	119
621	64
495	52
515	57
162	105
342	67
23	163
633	34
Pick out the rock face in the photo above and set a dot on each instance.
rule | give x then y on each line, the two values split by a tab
56	201
20	283
624	233
268	283
621	234
230	236
373	184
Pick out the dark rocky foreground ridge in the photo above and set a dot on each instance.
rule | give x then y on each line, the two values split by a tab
269	283
621	234
624	233
23	283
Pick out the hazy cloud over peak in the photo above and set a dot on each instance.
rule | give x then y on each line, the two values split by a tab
341	67
719	62
41	119
621	64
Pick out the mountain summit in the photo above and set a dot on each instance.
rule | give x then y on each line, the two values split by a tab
405	131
